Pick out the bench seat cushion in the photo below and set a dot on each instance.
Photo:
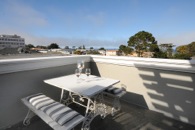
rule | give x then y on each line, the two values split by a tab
119	92
57	115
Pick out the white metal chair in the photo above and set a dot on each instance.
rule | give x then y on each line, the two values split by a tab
115	94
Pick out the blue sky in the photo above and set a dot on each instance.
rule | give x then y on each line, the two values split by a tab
98	23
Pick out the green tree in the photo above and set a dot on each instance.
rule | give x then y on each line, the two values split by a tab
42	47
78	52
154	47
122	48
83	47
102	48
157	53
184	49
53	46
191	47
160	54
94	52
186	56
167	48
128	50
141	41
29	46
125	49
91	48
66	47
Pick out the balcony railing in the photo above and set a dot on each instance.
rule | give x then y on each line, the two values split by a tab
165	86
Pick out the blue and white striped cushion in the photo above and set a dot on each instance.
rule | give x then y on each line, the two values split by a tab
59	113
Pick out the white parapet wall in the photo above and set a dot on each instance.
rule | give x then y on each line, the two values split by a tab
154	63
162	85
23	64
22	77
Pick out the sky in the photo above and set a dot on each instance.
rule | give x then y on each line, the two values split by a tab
97	23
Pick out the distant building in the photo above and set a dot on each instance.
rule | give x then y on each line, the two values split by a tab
38	50
68	51
112	52
11	41
102	52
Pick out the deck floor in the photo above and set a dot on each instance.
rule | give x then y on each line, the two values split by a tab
130	118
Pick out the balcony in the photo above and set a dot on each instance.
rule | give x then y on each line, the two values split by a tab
160	91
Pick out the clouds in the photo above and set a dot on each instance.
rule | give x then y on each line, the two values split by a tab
25	19
95	23
62	42
24	15
179	39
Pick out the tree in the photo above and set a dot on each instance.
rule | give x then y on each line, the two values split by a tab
73	47
29	46
53	46
66	47
184	49
154	47
78	52
168	48
82	47
160	54
91	48
94	52
125	49
182	56
102	48
141	41
128	50
191	47
122	48
42	47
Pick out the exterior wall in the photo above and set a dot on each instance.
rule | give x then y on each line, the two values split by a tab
11	41
22	77
111	52
167	87
102	52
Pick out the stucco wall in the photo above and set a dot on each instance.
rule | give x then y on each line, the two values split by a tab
16	85
161	85
169	92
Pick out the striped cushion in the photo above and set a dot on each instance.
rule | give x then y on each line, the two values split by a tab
60	114
114	90
119	92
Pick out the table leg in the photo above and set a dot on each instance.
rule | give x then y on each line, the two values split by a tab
89	114
66	97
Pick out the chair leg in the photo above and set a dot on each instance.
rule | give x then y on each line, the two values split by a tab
116	106
29	115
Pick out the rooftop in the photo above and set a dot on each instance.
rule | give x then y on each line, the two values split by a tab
160	92
131	117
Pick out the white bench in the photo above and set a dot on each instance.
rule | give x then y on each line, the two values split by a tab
56	115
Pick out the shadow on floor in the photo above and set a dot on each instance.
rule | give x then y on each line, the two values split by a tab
130	118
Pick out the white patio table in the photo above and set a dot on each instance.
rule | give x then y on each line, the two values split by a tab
86	88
